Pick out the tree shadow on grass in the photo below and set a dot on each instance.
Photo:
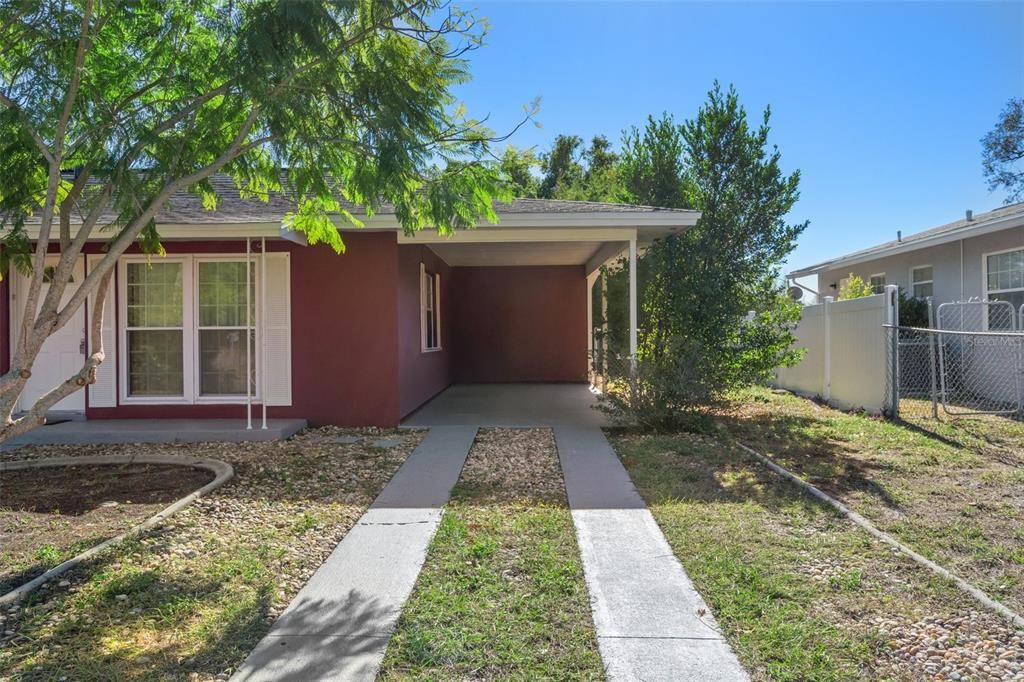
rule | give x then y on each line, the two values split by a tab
109	638
836	467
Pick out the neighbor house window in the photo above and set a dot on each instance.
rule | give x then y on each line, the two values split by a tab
154	327
430	313
224	325
1004	281
877	283
921	281
188	324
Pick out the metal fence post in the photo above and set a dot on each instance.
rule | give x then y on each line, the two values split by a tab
932	340
893	315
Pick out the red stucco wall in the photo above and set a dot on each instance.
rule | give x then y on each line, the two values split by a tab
519	324
344	335
421	375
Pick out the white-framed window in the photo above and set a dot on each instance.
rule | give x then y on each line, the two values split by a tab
922	280
154	315
222	327
185	329
1004	281
877	282
430	310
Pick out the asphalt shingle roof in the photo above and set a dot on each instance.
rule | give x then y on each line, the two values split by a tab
909	240
187	209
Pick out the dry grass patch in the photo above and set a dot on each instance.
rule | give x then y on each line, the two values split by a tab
800	592
951	489
501	596
189	600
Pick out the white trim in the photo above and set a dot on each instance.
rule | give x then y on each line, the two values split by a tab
984	281
663	221
425	290
191	380
913	283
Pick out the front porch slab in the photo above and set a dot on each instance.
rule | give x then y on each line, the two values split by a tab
107	431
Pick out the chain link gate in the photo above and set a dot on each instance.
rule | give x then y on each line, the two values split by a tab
970	361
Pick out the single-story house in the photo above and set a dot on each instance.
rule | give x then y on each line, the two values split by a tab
978	257
363	338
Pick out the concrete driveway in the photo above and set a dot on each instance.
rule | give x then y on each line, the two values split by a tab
522	405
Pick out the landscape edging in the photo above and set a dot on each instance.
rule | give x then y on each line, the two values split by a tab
962	584
221	470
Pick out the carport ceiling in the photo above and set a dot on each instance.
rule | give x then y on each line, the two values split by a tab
516	253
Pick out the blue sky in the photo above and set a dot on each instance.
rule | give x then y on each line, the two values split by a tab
880	105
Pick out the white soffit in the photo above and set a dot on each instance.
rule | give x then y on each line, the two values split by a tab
515	253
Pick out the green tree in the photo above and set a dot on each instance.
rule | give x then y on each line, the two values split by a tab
653	169
1003	152
855	286
518	166
109	107
562	166
714	315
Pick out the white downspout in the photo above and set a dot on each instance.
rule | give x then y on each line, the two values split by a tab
248	346
632	304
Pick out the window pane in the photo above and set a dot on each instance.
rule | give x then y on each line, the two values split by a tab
999	317
155	363
923	290
154	294
922	274
222	294
222	361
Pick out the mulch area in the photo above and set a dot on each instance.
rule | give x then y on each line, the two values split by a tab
50	514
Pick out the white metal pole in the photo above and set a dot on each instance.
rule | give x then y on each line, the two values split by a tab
263	324
632	303
248	347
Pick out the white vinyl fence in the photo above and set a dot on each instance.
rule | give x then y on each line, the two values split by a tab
845	360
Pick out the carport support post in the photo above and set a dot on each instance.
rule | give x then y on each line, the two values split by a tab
591	278
632	305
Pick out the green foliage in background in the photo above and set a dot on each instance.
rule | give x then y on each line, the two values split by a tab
855	286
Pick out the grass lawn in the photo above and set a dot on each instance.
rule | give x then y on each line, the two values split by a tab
951	489
501	596
189	600
800	592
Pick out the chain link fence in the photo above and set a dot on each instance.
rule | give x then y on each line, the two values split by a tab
945	373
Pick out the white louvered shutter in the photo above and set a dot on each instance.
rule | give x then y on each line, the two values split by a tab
103	393
277	331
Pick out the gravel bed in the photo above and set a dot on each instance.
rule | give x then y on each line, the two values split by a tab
189	600
968	647
506	465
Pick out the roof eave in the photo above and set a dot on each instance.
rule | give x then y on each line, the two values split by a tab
966	232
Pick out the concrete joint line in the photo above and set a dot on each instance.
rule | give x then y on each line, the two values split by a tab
222	472
962	584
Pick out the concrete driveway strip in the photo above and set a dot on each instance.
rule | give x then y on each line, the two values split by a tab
651	623
338	626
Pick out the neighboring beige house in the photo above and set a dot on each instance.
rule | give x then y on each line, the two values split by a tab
977	257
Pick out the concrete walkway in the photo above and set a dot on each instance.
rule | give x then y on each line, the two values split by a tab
338	626
646	611
77	432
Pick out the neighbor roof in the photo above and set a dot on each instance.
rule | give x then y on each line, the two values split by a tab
1000	219
187	209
